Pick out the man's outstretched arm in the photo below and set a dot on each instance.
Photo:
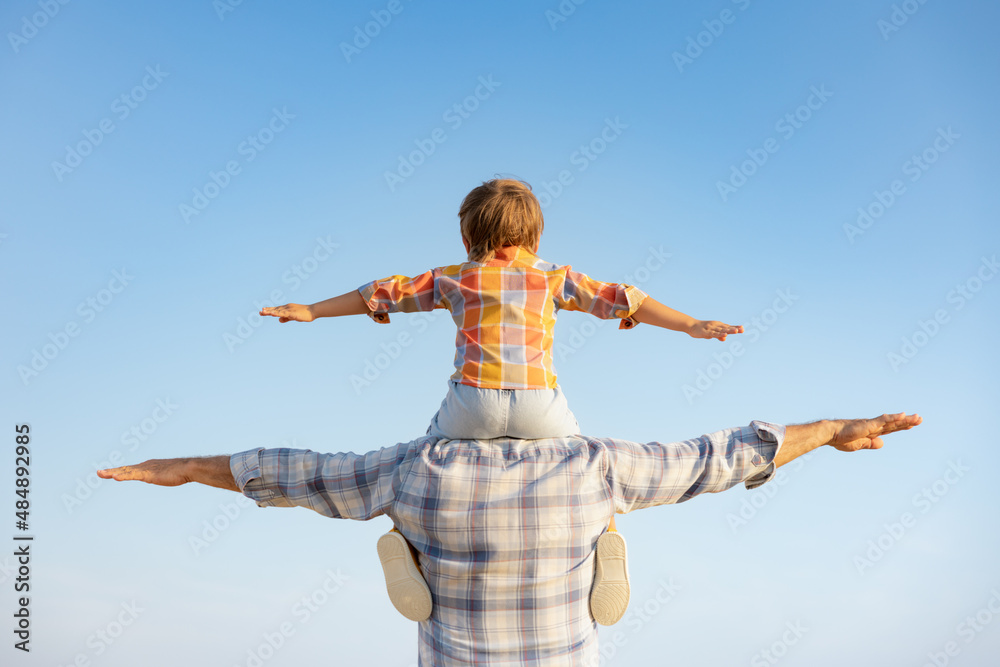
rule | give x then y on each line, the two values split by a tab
341	485
644	475
210	470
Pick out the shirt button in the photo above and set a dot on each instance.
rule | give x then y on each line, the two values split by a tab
756	459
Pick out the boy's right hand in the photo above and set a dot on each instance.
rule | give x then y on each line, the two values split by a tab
290	312
713	329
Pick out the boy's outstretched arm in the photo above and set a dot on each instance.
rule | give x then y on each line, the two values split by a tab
653	312
351	303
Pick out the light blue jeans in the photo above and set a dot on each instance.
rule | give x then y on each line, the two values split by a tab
473	413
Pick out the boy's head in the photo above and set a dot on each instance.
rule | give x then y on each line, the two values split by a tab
501	212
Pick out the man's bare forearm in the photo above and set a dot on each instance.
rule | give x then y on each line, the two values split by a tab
212	471
800	439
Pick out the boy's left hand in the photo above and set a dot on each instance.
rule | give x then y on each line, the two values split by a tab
713	329
290	312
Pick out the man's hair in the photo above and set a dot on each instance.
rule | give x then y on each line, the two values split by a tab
501	212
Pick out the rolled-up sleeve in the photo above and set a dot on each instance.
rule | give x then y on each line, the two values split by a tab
340	486
401	294
604	300
645	475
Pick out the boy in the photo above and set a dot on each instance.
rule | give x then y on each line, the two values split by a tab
504	301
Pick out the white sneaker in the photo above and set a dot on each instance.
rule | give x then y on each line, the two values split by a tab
610	592
407	589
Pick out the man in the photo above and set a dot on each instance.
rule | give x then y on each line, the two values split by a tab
506	529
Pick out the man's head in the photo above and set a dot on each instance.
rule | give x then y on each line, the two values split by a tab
501	212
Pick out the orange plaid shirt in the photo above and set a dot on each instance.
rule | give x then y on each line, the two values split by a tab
505	311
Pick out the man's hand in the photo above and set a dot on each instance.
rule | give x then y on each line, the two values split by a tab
290	312
162	472
855	434
713	329
212	471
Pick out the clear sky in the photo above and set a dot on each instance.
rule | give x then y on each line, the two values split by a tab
823	173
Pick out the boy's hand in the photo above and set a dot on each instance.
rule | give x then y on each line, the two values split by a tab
291	312
713	329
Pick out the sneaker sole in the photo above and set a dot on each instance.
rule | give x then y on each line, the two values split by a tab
407	589
610	593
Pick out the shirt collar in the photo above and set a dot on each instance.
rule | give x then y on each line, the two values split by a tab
513	253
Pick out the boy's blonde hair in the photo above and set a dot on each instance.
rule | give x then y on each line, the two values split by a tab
501	212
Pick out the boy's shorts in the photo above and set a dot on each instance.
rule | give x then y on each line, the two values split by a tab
474	413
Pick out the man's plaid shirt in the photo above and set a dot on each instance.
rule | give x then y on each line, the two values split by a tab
506	529
505	310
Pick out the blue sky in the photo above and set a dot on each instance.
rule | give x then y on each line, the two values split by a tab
168	169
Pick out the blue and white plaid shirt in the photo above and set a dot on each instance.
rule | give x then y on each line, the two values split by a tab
506	529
